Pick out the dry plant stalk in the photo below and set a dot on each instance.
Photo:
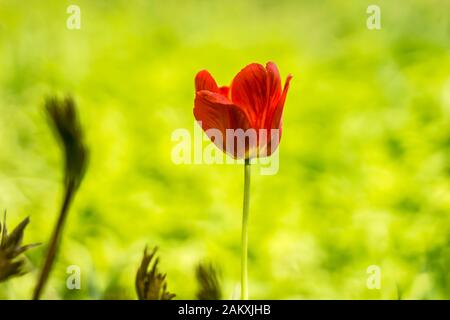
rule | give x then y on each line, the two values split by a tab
64	121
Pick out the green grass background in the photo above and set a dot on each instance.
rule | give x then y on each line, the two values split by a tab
364	173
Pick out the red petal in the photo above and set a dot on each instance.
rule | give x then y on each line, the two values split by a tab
257	89
216	112
225	90
276	122
273	84
204	81
248	90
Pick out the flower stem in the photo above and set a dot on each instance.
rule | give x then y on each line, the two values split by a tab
54	241
245	213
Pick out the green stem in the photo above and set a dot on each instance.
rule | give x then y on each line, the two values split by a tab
54	241
245	213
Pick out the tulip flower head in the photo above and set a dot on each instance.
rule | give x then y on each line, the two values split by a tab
245	119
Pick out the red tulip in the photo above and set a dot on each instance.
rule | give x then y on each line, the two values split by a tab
255	100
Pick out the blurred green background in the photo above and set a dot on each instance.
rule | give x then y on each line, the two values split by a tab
364	173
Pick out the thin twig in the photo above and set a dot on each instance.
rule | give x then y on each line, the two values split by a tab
51	253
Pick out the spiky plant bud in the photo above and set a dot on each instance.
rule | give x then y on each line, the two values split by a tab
150	284
11	250
63	117
208	282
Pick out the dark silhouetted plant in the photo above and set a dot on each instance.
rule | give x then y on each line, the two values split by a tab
12	259
208	282
150	284
64	120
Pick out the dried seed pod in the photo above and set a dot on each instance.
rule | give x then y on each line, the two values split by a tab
150	284
208	282
64	120
11	250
